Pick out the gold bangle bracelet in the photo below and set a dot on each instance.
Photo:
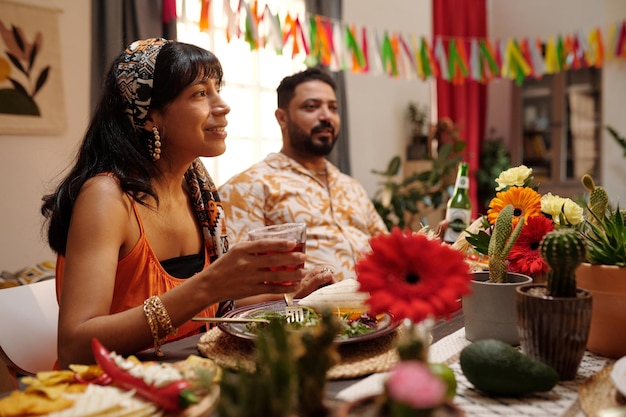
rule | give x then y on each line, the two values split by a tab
163	316
148	309
157	315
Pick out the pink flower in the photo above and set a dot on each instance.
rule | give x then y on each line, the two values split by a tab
412	384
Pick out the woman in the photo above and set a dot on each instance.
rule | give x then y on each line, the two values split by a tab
137	223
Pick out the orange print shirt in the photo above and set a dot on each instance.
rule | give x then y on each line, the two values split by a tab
340	218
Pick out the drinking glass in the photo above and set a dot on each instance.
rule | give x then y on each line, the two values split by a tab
294	231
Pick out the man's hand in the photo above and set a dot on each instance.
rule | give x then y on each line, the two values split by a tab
316	278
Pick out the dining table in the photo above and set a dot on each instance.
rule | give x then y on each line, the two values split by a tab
584	396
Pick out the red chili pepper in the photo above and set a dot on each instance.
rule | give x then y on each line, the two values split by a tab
173	397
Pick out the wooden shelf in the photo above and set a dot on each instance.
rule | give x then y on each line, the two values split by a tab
556	129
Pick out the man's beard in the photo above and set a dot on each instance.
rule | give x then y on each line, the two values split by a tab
303	142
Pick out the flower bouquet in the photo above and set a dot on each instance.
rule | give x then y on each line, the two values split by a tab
507	240
540	213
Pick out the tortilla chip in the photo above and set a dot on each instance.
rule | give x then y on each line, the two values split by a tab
51	391
24	403
87	372
55	377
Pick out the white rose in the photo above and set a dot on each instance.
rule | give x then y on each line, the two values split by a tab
573	212
515	176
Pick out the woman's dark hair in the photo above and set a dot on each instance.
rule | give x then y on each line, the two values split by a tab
113	145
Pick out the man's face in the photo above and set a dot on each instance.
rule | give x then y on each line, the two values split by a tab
313	120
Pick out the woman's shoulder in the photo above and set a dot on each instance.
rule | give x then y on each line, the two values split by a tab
105	182
103	191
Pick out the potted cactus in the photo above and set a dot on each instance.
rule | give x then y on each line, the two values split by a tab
604	272
554	318
489	311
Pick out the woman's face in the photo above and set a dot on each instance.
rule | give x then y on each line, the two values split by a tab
194	123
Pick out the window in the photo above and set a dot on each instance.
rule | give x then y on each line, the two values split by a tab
250	81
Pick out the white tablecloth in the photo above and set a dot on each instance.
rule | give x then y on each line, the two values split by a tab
562	400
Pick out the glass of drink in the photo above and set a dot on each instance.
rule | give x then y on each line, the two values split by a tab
293	231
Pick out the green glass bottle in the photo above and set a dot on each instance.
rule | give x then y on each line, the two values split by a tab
459	212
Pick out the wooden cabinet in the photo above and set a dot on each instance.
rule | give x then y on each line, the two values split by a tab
556	129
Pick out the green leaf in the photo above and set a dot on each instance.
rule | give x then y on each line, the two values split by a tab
480	241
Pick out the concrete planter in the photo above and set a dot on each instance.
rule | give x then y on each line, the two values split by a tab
489	311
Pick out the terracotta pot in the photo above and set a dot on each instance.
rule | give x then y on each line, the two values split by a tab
607	284
489	311
554	330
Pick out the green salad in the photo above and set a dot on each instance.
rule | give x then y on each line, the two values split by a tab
351	325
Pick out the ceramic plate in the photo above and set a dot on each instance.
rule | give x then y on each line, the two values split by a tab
240	330
618	375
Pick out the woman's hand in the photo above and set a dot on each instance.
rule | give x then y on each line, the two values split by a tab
317	277
256	267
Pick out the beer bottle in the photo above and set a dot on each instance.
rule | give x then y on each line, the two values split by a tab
459	210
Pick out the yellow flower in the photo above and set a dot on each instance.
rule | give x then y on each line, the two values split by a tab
573	212
551	204
526	202
515	176
5	69
556	206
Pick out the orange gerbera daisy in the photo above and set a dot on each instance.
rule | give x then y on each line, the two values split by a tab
526	202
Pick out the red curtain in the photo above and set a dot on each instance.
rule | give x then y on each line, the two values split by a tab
465	104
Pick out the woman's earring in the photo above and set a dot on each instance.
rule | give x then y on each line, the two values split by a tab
155	147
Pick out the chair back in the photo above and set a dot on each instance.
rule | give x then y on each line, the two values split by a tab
28	327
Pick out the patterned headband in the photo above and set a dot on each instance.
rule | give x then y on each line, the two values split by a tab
135	74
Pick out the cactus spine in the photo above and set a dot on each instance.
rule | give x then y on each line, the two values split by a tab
502	239
563	250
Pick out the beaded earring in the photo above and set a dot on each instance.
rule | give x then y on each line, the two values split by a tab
154	147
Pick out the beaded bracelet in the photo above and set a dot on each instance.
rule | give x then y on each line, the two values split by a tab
156	314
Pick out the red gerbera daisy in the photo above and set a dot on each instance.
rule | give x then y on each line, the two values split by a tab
411	276
525	257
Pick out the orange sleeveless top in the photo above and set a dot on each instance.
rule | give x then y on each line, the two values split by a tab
140	275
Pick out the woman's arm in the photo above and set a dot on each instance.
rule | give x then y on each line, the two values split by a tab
102	231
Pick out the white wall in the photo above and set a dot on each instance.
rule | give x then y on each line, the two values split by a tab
614	114
29	164
378	103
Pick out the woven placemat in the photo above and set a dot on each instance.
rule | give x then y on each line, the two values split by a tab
599	393
357	359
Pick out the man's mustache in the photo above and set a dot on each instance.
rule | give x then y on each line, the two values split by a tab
323	125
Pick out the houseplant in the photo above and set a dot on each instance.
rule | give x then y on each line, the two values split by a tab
604	272
493	159
510	252
489	311
554	318
618	138
417	117
402	201
289	374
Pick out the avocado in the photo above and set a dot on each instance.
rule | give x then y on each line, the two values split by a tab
498	369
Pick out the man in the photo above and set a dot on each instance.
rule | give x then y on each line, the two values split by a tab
298	184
